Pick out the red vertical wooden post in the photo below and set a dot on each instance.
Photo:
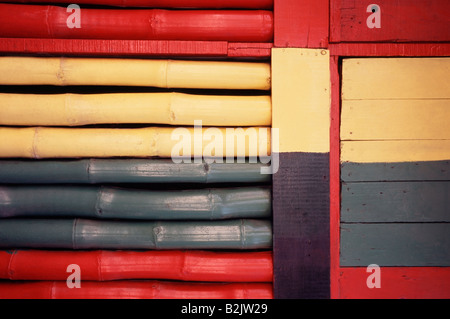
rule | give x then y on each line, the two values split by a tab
334	176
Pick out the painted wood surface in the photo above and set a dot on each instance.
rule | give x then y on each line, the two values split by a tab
149	289
335	185
134	108
421	119
301	23
440	49
105	265
47	21
395	171
305	96
300	110
134	235
401	21
396	283
51	142
395	244
392	202
301	226
395	78
103	202
134	72
201	4
395	151
120	171
134	48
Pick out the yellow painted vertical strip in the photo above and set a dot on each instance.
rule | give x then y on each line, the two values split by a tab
301	99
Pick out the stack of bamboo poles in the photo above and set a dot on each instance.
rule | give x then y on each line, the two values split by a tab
87	179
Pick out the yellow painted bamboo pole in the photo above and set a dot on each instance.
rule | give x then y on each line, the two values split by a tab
45	142
136	108
134	72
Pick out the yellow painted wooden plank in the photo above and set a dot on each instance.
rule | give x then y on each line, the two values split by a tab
301	99
395	151
395	119
395	78
49	142
134	72
140	108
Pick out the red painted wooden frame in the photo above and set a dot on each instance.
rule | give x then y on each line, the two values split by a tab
133	48
396	282
301	23
401	21
215	4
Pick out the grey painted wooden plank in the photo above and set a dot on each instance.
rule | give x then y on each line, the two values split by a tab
395	202
398	171
395	244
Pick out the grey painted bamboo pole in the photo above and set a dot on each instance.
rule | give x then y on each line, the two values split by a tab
94	171
94	234
127	203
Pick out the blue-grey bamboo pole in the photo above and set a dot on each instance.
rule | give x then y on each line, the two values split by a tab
128	203
94	234
96	171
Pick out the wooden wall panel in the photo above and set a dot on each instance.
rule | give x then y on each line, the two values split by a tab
300	111
395	244
393	202
400	21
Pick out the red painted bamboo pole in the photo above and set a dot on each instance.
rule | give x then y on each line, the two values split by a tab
134	290
201	4
114	265
35	21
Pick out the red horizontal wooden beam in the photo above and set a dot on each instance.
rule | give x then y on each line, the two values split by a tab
390	49
390	21
39	21
210	4
133	48
396	283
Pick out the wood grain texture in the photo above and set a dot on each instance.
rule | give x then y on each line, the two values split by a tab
335	198
301	23
395	244
401	21
395	119
396	283
392	202
301	99
395	151
390	49
201	4
401	171
395	78
133	48
395	171
301	216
